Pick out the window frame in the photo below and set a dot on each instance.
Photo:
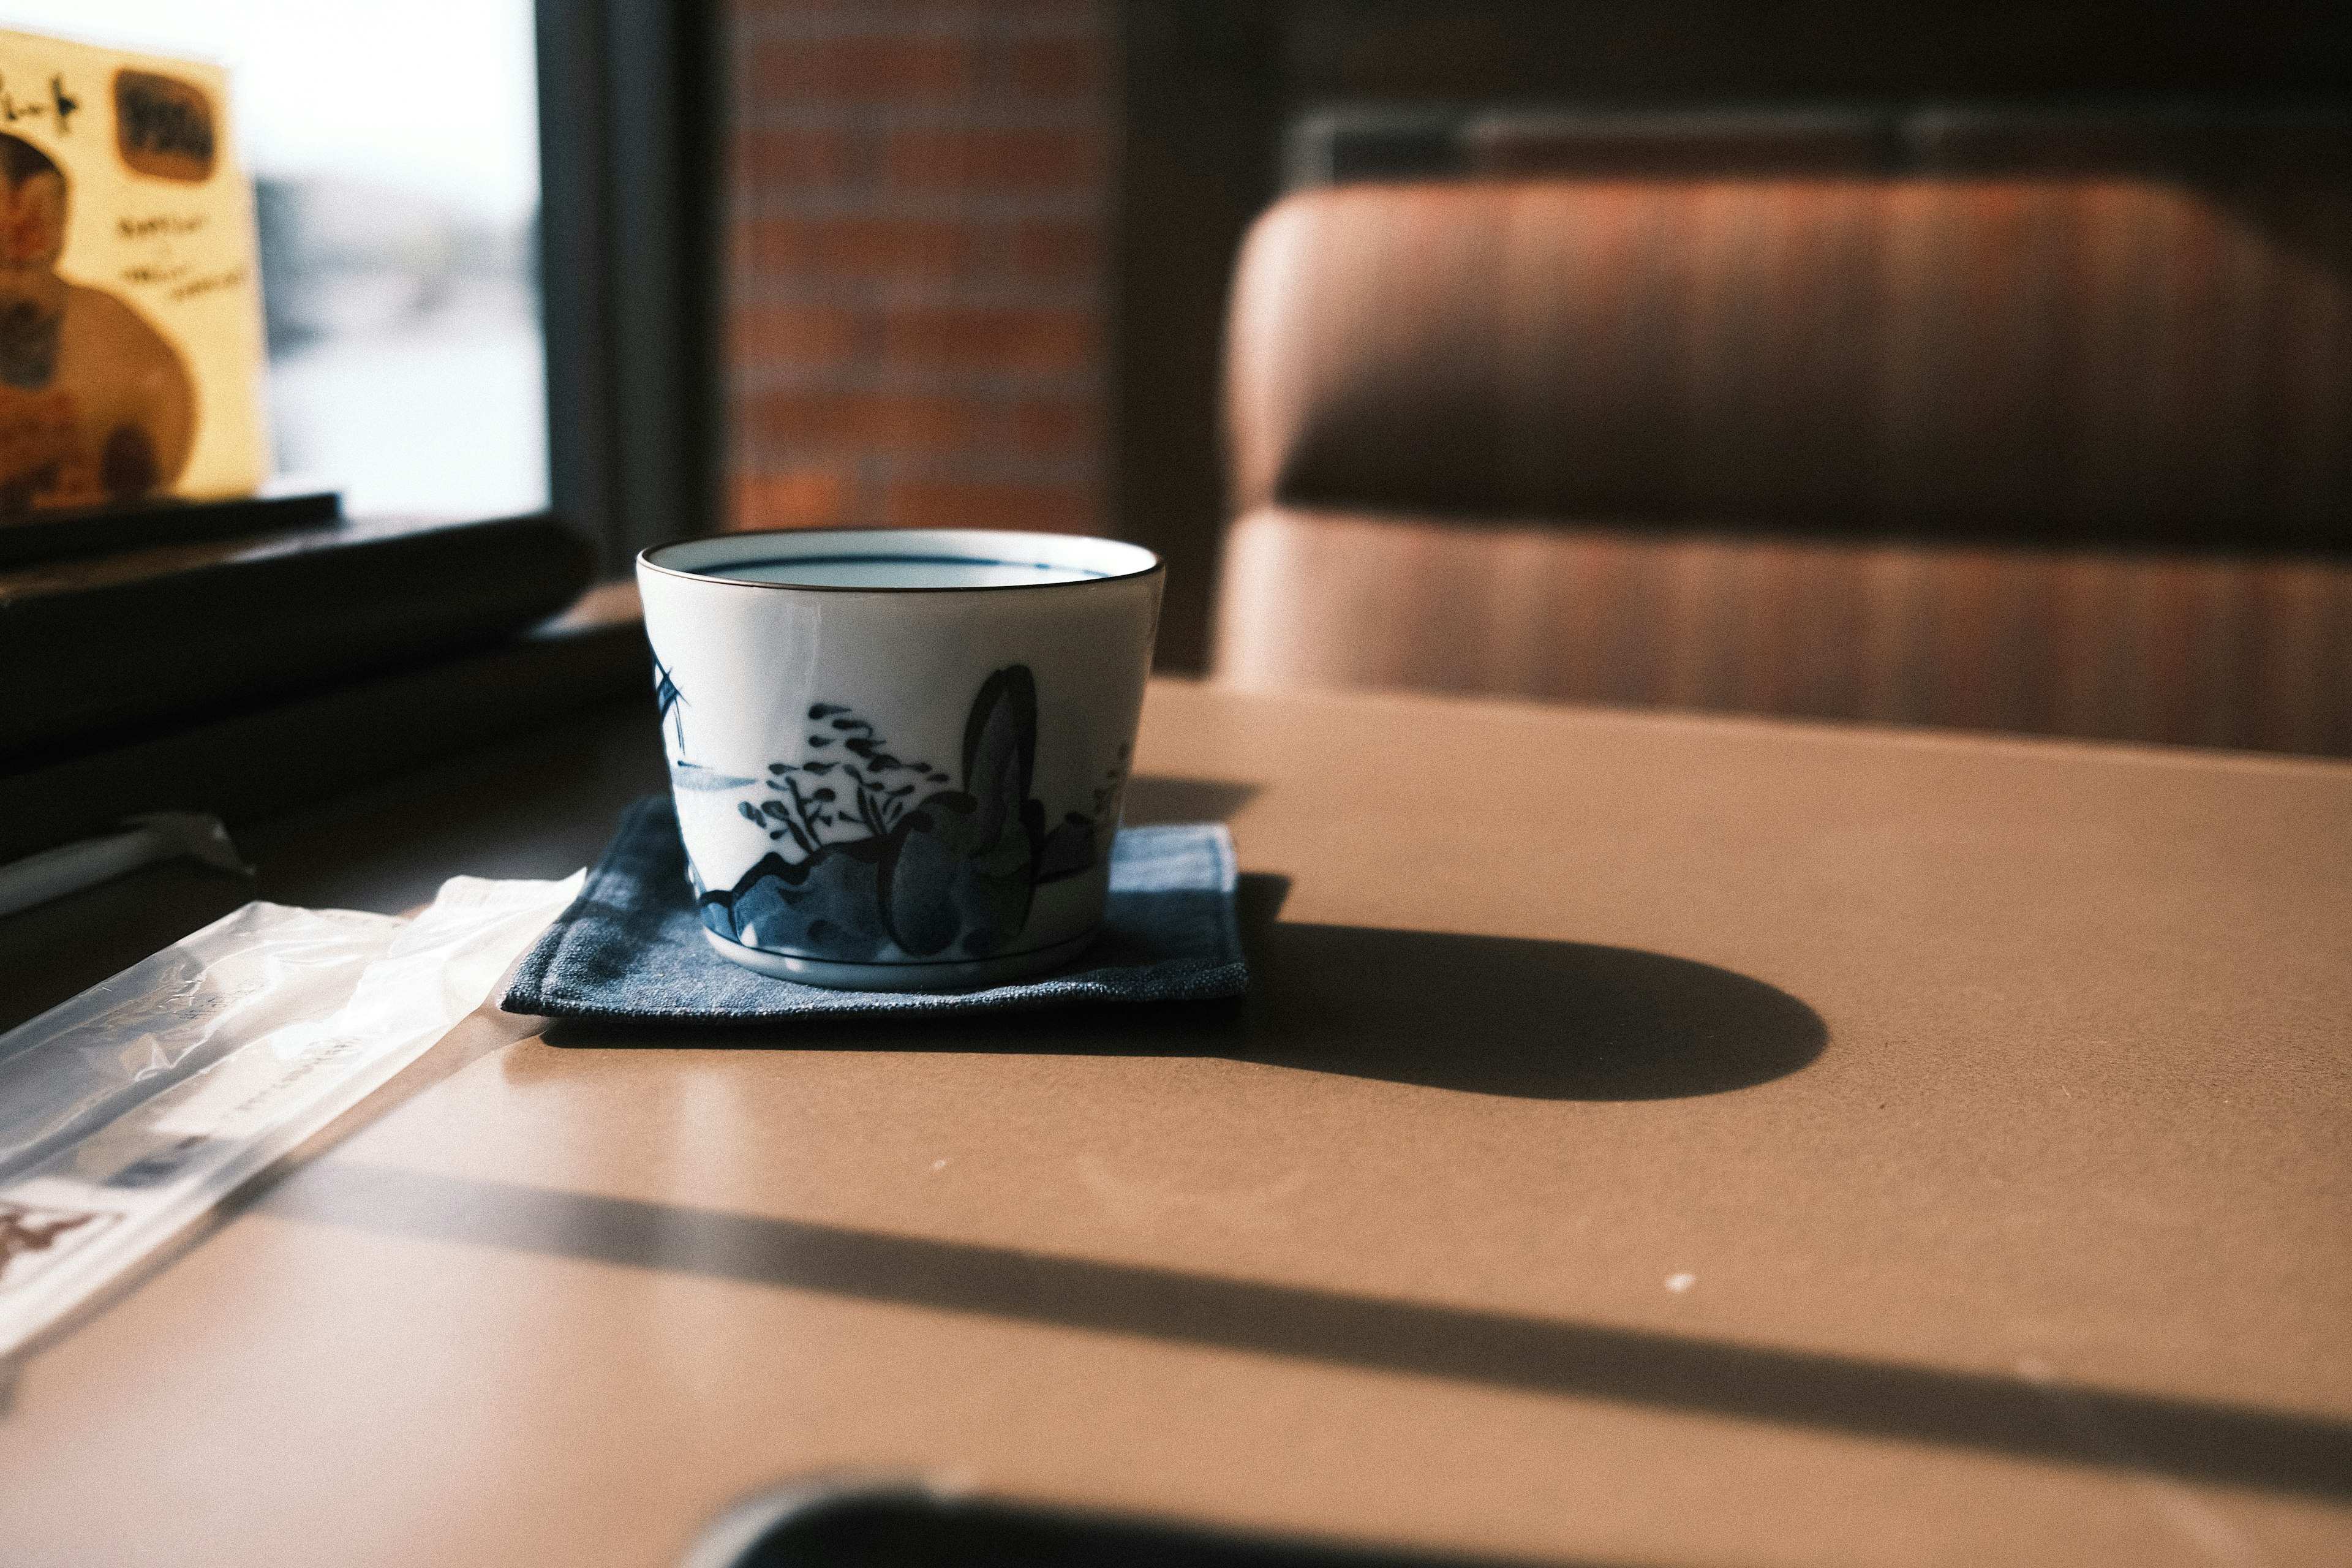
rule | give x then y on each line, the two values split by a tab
633	107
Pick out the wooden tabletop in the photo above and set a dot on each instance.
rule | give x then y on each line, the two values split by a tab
1648	1139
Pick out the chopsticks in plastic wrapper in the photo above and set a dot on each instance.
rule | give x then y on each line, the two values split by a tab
129	1111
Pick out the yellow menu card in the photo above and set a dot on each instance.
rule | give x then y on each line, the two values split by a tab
132	352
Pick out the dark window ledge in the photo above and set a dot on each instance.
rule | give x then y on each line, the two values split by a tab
253	764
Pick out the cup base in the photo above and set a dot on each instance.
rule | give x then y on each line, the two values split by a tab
959	974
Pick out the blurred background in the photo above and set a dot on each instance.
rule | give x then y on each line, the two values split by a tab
394	152
1975	364
1980	362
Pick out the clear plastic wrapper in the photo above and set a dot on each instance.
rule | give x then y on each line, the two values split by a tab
81	1063
129	1112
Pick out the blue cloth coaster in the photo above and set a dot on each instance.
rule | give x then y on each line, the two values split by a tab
631	946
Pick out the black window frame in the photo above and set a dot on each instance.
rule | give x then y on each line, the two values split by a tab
633	116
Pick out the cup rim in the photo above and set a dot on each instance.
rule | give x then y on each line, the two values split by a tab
1151	562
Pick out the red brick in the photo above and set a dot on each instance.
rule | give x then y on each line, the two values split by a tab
1058	251
765	245
1096	11
859	247
1061	68
825	158
919	68
962	504
821	497
1056	426
969	339
840	122
1026	158
868	421
771	335
880	15
884	247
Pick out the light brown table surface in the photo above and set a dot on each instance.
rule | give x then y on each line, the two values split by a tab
1993	1096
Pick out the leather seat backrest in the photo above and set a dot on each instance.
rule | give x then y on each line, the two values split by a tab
2078	357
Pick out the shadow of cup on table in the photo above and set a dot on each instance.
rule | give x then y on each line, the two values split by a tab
1504	1015
1547	1020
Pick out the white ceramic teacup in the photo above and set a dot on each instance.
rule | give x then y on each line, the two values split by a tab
899	755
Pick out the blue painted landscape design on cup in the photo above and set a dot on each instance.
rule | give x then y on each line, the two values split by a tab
876	851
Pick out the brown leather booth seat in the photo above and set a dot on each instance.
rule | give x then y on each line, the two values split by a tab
2063	453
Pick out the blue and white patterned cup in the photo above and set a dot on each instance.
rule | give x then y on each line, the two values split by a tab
899	755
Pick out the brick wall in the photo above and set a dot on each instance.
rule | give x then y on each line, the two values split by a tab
916	262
